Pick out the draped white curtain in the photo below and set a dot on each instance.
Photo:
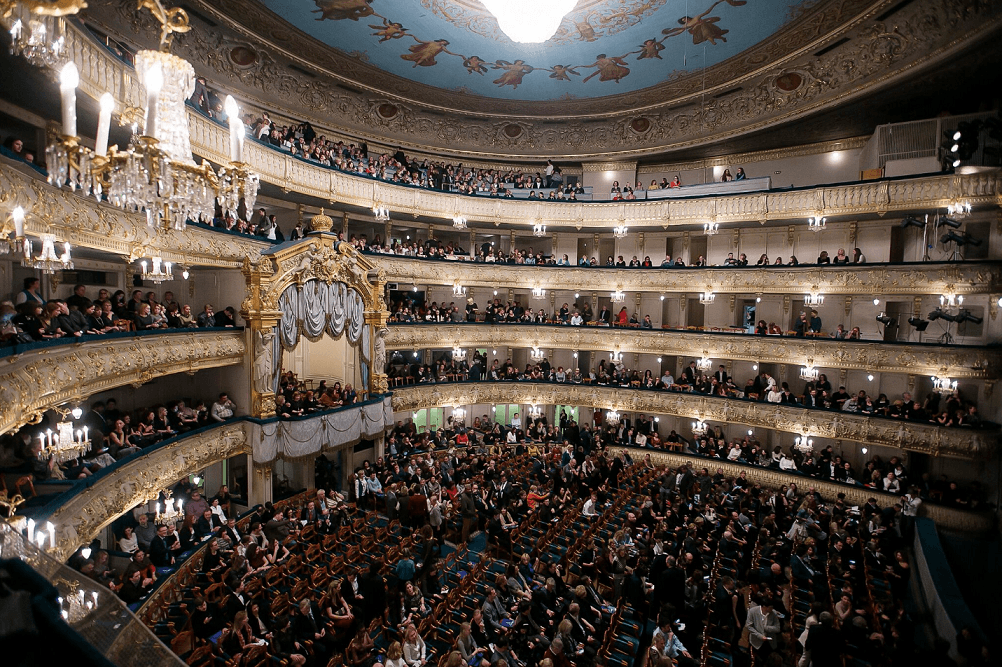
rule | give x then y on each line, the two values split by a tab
319	308
308	437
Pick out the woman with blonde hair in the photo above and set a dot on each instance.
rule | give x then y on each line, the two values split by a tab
395	655
415	651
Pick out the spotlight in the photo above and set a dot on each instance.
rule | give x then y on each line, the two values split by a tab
963	238
869	377
955	163
950	222
966	316
911	222
956	135
885	320
918	323
876	302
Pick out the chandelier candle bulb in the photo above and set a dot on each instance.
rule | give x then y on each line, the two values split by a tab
104	124
154	81
236	140
69	79
18	215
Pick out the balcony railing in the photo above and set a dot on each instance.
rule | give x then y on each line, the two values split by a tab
849	280
911	436
44	375
955	361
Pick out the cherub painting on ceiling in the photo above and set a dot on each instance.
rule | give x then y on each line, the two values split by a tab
424	53
338	10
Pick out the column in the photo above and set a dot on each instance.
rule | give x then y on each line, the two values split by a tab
260	480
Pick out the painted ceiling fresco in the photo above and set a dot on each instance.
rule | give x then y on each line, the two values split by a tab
603	47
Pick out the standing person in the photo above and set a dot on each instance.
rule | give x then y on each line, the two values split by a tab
549	173
30	292
468	509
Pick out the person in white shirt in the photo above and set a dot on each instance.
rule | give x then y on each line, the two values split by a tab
576	319
640	440
891	484
516	422
223	409
590	506
786	463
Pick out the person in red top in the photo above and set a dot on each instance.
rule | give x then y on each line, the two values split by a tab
462	440
623	318
534	497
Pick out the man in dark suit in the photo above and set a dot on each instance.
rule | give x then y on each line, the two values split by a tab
689	374
161	550
309	514
208	524
604	316
309	627
670	587
721	374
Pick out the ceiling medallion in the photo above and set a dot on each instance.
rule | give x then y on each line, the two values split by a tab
640	125
387	110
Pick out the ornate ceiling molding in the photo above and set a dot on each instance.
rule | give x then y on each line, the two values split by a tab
908	436
866	279
86	223
774	479
778	81
938	360
211	141
139	480
39	380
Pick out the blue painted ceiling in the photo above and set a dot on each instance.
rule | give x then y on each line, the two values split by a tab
603	47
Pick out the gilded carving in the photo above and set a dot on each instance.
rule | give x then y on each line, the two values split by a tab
967	278
905	435
139	480
942	360
756	90
36	381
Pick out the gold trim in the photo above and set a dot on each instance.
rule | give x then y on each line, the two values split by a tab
904	435
947	361
917	279
591	167
854	495
139	480
39	380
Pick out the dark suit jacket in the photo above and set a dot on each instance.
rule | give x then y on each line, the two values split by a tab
159	552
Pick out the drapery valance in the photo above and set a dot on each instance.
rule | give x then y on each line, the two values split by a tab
307	437
320	308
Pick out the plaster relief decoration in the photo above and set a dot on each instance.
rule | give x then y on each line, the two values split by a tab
140	480
36	381
706	71
909	436
297	439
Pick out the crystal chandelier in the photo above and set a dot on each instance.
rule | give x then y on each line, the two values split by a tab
535	412
699	428
155	173
951	300
381	213
944	385
158	272
814	299
959	209
64	444
458	414
459	222
816	224
170	514
14	224
810	373
538	292
619	296
612	417
539	229
804	444
513	17
706	298
704	364
458	354
458	290
711	228
619	231
47	261
616	356
37	28
536	355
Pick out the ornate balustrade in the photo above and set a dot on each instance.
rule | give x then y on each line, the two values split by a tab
906	435
211	140
89	505
854	495
852	280
42	378
101	72
84	222
941	360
